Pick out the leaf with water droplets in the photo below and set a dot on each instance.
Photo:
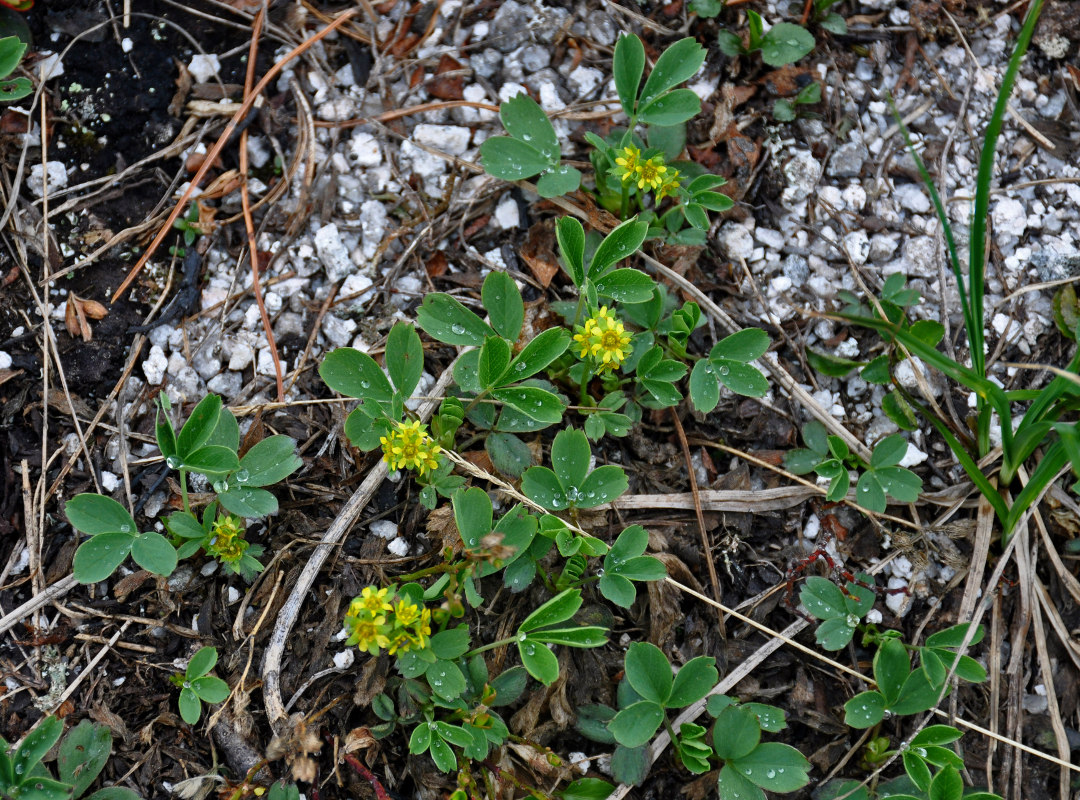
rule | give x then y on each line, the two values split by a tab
96	513
540	662
775	767
98	557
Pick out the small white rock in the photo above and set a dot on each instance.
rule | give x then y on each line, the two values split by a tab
912	197
507	215
364	149
5	360
155	365
735	240
332	253
398	546
344	659
1009	216
109	481
383	528
452	139
204	66
57	177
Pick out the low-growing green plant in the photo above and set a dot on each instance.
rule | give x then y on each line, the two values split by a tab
785	110
649	691
821	13
198	687
841	610
80	759
12	50
631	174
207	444
1040	429
829	457
784	43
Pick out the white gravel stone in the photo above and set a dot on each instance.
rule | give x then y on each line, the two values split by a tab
155	365
339	331
109	481
897	601
507	215
769	238
384	528
857	245
912	197
398	546
373	221
913	457
332	253
364	149
802	173
204	66
226	384
452	139
186	386
735	240
1009	217
57	177
5	360
344	659
584	80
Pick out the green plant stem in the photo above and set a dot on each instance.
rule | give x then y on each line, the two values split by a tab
474	401
491	646
583	389
624	205
184	491
423	573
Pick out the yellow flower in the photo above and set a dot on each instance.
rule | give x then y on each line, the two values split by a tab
651	173
226	540
367	636
401	643
626	164
603	337
373	601
669	187
405	613
422	629
409	446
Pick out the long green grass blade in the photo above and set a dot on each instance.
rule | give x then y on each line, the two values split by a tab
943	217
977	260
982	483
1053	460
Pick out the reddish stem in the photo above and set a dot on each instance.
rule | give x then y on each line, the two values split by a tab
366	774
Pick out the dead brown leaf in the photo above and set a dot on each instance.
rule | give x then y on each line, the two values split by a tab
78	313
539	251
358	739
183	86
447	87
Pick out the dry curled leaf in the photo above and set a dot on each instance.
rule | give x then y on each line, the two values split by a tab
296	744
77	314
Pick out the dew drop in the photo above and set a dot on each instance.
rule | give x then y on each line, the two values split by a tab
771	773
125	528
243	476
520	367
187	684
852	620
365	385
458	329
724	370
174	462
526	137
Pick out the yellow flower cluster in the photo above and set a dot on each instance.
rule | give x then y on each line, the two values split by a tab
381	620
227	542
649	172
604	338
409	446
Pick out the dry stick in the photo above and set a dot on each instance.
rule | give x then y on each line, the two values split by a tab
1047	670
56	590
223	139
245	202
89	668
342	524
714	579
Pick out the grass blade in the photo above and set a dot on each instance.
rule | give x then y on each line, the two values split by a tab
977	260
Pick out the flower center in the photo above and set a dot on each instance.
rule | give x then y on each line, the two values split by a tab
611	341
